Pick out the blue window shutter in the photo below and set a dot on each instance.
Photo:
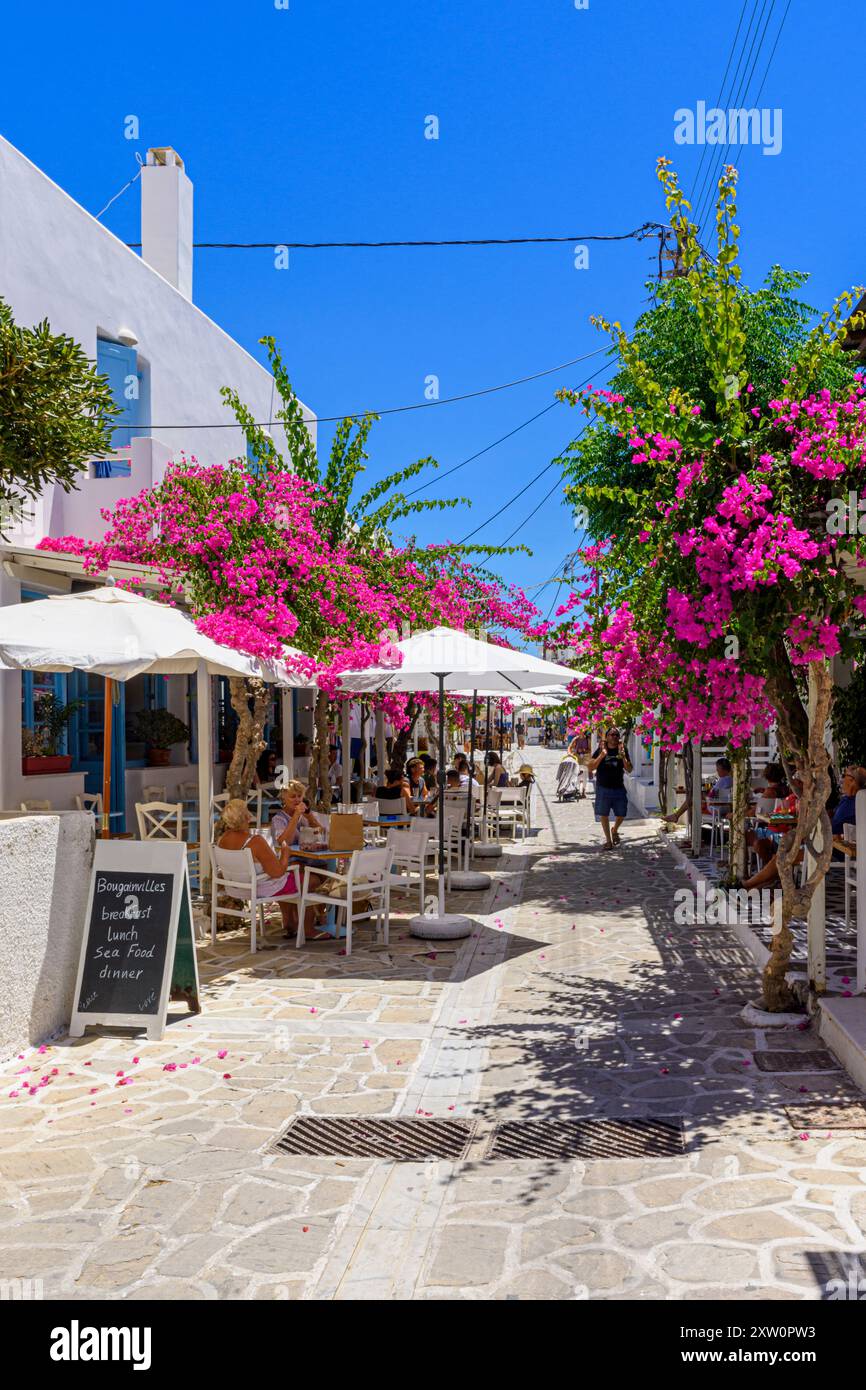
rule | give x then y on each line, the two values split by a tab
119	363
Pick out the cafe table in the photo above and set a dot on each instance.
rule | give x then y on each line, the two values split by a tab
327	860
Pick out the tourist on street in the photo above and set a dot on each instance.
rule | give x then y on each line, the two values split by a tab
608	765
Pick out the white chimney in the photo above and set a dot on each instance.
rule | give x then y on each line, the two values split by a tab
166	218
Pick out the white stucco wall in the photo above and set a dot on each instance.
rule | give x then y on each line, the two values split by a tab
44	874
58	262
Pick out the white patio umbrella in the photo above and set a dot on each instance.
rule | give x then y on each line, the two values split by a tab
442	659
116	634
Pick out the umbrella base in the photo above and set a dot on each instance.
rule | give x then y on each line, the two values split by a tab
450	927
486	851
465	880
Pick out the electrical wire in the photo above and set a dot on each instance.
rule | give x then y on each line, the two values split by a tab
705	147
501	440
738	103
535	509
519	493
746	82
707	185
122	190
769	63
400	409
644	230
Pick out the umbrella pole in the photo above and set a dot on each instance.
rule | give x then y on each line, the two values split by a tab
488	741
470	818
469	878
441	780
107	713
486	848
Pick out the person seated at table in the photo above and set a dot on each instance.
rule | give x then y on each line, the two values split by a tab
775	784
841	814
266	768
274	877
419	792
845	813
294	812
461	765
761	838
497	773
722	790
393	797
430	765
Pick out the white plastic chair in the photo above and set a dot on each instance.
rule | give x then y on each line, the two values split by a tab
509	810
159	820
849	866
455	817
410	858
36	806
368	881
90	801
154	793
234	874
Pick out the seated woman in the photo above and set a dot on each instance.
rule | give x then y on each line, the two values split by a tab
497	773
274	878
419	792
294	811
763	840
394	799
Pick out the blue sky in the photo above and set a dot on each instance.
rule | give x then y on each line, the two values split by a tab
308	124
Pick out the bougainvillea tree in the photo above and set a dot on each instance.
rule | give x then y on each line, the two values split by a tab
264	556
731	582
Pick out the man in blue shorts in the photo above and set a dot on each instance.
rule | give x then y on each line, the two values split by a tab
608	765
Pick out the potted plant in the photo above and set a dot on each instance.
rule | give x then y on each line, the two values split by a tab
39	745
159	729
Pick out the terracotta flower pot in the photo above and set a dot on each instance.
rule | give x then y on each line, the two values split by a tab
59	762
158	757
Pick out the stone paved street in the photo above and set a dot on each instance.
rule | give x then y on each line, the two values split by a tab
144	1170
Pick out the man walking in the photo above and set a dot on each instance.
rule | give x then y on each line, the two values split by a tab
608	765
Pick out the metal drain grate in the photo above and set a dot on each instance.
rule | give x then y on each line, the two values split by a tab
587	1139
399	1140
796	1061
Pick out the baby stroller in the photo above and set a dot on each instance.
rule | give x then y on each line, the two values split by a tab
570	779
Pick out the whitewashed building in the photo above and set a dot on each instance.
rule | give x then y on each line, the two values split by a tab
166	361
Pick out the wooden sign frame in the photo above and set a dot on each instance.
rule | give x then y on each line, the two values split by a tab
180	978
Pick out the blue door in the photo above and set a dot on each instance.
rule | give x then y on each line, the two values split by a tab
86	738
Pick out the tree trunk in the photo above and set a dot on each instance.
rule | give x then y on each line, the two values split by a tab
249	699
320	781
401	742
813	768
741	765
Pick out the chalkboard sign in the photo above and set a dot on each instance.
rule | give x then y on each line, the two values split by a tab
138	950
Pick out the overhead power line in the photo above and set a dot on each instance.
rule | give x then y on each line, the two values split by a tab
439	477
740	101
397	409
707	183
705	147
646	229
